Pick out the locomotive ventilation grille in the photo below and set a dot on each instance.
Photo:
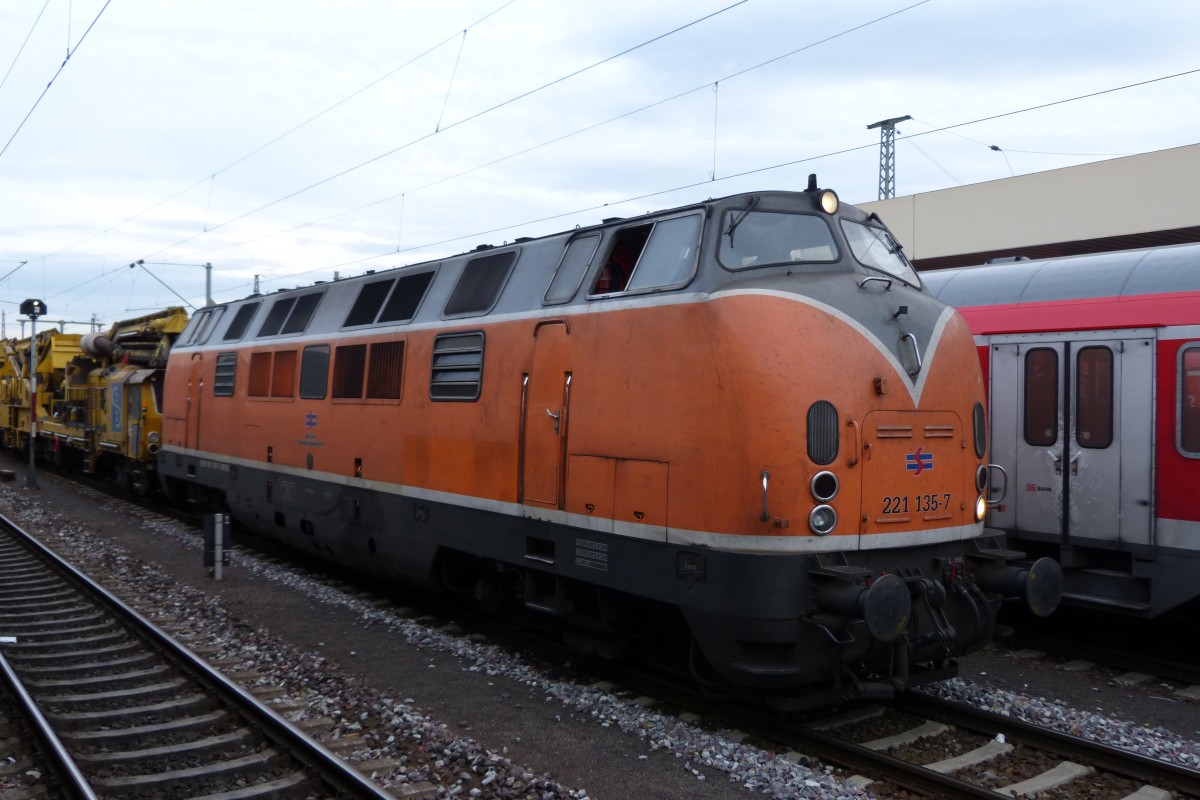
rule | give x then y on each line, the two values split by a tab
822	432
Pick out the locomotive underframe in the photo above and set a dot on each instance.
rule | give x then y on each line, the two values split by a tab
804	621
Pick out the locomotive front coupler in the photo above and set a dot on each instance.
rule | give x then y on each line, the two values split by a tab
1038	584
885	605
931	595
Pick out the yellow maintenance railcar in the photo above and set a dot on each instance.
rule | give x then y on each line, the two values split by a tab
98	407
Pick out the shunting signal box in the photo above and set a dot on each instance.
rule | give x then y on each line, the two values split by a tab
216	543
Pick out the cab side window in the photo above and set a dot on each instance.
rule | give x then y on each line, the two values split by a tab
653	255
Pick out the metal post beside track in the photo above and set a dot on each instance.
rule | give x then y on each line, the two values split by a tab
32	309
216	552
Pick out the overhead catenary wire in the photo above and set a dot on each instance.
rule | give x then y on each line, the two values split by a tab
554	140
707	85
445	128
21	49
742	174
529	222
211	179
70	52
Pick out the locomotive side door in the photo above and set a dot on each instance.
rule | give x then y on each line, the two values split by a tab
194	386
1072	422
544	416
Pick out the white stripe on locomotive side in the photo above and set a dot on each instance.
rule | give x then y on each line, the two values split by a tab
792	543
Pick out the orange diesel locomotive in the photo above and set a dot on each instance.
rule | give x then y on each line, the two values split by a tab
736	435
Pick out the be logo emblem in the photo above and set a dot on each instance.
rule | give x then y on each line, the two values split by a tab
918	462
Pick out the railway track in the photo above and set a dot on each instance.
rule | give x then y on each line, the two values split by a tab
125	711
920	751
919	745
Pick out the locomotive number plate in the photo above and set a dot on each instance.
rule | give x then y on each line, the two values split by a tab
917	504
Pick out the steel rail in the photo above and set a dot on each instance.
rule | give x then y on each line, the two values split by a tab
331	768
1108	757
74	784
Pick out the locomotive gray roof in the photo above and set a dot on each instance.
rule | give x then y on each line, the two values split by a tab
519	285
1124	273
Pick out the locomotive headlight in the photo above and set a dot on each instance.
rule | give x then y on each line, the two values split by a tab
824	486
822	520
980	508
829	201
152	437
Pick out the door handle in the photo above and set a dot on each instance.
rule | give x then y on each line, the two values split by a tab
554	417
1057	461
1075	464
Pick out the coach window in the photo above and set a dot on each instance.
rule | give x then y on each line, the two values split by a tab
314	372
1041	397
575	261
1189	401
1094	397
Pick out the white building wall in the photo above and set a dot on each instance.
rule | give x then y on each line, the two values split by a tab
1134	194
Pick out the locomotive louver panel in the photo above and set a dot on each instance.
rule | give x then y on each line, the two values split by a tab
406	298
225	374
480	284
370	300
241	321
349	366
822	432
385	370
457	372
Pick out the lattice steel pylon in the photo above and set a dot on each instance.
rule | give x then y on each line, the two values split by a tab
887	155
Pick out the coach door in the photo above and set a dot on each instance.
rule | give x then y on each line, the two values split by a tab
544	416
1072	422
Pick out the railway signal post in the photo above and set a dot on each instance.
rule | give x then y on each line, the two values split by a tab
32	309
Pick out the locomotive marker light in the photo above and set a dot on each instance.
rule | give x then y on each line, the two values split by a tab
32	309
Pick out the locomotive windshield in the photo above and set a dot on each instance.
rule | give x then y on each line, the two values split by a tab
877	249
758	238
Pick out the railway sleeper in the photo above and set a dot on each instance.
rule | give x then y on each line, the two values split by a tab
184	724
252	764
208	746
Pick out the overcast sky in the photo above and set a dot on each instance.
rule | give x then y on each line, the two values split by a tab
296	140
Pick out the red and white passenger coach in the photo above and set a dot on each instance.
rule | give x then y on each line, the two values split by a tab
1093	367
